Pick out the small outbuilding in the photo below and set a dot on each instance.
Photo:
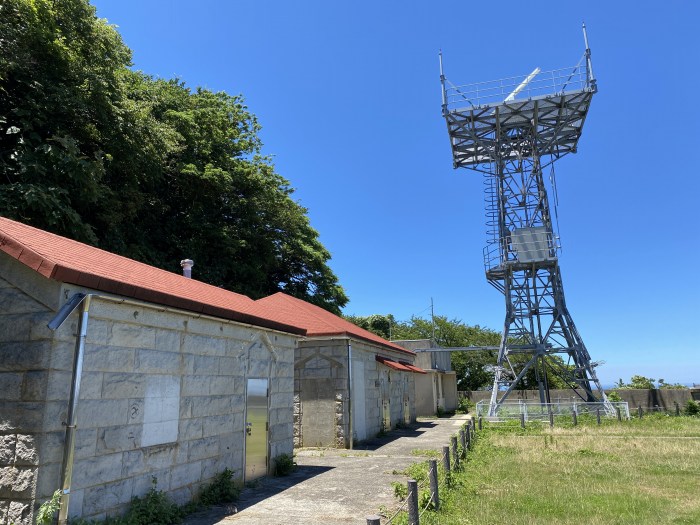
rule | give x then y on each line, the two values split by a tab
349	384
437	390
113	372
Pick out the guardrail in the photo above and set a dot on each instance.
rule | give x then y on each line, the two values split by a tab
543	411
535	84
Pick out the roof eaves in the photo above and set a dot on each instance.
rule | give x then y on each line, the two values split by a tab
25	255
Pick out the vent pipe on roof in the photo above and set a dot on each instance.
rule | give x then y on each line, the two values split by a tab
187	265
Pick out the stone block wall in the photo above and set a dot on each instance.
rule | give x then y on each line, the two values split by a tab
382	381
323	364
25	349
162	394
323	359
373	396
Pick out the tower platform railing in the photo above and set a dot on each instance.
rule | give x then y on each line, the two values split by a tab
525	245
540	84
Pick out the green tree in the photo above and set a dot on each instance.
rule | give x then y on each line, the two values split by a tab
59	77
647	383
144	167
382	325
641	382
474	369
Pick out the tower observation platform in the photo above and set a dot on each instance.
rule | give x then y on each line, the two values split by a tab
512	130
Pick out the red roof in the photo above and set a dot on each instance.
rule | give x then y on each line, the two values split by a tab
402	366
76	263
319	322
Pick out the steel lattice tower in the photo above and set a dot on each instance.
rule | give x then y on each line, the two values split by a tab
512	130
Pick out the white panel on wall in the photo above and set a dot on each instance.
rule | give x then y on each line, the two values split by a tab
161	410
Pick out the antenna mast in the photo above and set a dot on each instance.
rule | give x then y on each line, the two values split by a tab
510	130
432	318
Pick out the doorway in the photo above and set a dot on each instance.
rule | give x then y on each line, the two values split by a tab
256	429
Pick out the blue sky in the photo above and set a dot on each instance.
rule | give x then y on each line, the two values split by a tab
348	95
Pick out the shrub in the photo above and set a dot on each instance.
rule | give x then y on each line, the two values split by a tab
46	512
692	408
155	508
284	464
464	405
222	489
614	396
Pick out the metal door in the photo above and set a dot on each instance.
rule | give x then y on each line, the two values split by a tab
406	402
256	428
386	401
386	415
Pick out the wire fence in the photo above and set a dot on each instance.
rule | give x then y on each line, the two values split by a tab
543	411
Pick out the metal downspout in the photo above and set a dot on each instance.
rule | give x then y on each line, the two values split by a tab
350	414
69	446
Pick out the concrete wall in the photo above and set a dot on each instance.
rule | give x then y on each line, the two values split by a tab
449	388
426	405
321	365
647	399
162	394
427	360
440	379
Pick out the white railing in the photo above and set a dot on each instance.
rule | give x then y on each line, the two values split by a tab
541	411
494	92
525	245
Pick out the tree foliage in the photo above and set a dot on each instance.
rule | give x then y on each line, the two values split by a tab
144	167
475	369
647	383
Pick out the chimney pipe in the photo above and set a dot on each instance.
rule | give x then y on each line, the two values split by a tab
187	265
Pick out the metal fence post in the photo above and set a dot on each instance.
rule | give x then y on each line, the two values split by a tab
619	413
373	520
640	412
522	420
678	408
434	487
551	418
480	423
412	500
597	415
574	416
455	454
446	459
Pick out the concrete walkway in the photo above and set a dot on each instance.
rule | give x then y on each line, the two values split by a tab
336	486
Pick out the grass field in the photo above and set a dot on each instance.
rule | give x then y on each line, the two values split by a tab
630	472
